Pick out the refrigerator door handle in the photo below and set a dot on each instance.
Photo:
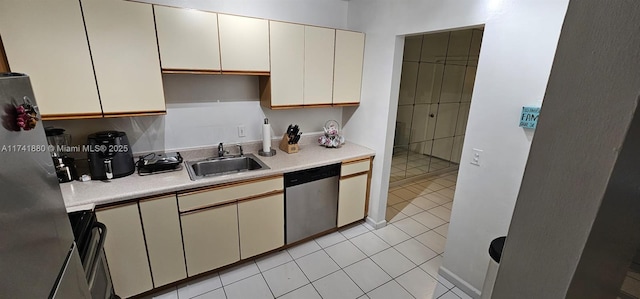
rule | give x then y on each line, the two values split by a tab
93	266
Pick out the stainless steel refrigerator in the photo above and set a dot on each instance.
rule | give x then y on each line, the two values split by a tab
38	256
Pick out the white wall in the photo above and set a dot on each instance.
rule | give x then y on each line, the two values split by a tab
517	51
203	110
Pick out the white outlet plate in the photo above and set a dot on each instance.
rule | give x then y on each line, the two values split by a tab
475	158
241	131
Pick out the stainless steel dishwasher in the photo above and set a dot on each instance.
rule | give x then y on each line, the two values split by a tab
311	201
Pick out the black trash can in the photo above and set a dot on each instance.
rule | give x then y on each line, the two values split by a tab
495	252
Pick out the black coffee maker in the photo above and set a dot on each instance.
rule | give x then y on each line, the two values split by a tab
109	155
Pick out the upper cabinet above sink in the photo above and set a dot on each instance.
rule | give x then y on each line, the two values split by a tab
193	41
188	39
244	45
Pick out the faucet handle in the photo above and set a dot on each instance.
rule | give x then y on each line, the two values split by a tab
221	151
240	148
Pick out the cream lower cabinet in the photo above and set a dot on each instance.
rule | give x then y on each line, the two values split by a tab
210	238
125	249
351	199
261	225
163	238
226	223
353	191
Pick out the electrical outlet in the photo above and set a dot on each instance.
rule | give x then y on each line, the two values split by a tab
475	159
241	131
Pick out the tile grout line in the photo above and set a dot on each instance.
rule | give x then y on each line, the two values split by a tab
265	281
374	262
305	274
394	278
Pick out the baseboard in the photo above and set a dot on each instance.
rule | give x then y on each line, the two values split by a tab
376	225
459	282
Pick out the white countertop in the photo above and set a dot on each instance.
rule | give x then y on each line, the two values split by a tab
83	195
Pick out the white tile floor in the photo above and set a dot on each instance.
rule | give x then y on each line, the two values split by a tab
400	260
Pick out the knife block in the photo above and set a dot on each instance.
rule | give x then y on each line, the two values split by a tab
286	147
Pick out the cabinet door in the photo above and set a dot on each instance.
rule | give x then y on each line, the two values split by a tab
123	44
46	40
125	250
347	78
318	65
351	199
210	238
187	38
244	44
261	223
287	63
164	240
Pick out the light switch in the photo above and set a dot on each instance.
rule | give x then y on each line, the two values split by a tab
475	159
241	131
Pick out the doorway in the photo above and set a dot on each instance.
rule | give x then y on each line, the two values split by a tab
438	74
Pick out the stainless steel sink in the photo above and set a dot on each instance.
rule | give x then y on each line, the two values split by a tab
223	165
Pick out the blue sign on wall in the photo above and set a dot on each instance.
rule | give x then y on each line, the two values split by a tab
529	117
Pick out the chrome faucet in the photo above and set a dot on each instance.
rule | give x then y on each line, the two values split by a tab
220	150
240	148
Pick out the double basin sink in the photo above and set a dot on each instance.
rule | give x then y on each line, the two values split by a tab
200	169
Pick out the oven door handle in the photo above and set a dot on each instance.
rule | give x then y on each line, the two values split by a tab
93	266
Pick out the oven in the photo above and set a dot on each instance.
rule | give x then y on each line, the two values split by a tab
89	237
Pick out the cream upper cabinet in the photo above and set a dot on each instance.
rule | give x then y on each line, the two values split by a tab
318	65
161	223
210	238
123	45
125	250
347	78
46	40
261	225
287	63
187	38
244	44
